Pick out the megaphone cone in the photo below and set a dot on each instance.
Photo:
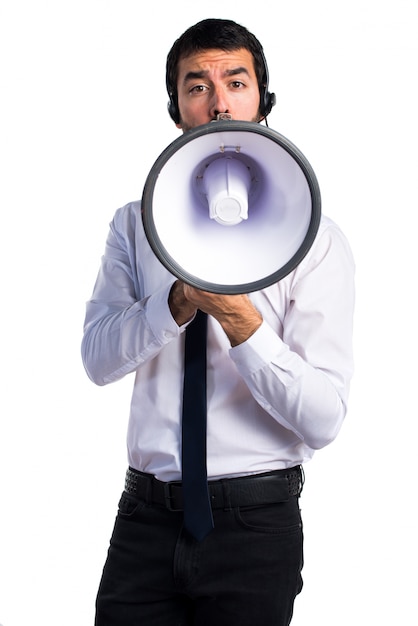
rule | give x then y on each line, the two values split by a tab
231	207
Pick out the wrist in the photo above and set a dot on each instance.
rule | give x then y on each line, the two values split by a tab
238	329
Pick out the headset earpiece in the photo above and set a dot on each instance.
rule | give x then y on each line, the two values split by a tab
267	102
173	109
267	99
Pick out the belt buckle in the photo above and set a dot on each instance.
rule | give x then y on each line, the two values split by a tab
168	497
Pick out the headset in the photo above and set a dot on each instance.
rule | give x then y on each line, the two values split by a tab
267	99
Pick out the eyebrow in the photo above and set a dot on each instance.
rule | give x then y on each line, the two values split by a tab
203	73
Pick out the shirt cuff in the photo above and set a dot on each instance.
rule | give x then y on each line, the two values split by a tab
159	317
258	351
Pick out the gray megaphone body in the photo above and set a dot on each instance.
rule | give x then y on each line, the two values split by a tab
231	207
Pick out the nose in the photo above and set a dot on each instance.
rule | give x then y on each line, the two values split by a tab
219	103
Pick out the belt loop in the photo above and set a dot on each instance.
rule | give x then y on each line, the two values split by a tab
302	478
226	494
149	485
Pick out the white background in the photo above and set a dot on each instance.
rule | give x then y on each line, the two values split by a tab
83	118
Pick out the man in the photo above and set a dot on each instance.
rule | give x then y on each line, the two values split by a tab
279	362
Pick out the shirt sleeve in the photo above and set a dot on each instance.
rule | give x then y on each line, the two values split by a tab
302	378
123	328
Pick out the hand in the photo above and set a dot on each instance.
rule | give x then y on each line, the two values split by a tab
181	308
236	314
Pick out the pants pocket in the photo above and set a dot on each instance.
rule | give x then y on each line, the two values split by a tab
280	518
129	505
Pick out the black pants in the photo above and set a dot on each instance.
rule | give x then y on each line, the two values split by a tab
247	572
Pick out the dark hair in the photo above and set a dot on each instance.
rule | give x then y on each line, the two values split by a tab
214	34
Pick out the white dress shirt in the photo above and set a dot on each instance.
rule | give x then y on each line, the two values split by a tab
272	400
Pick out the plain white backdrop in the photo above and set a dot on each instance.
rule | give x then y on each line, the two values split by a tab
83	118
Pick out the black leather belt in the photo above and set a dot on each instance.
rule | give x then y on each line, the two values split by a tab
255	490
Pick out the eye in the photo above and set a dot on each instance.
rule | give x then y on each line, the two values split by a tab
197	89
237	84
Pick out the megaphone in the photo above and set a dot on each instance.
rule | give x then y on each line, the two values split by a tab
231	207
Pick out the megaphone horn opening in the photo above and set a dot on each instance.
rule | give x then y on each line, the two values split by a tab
265	192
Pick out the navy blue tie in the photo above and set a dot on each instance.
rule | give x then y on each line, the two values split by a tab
197	510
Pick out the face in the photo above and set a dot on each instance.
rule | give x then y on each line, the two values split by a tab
214	81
